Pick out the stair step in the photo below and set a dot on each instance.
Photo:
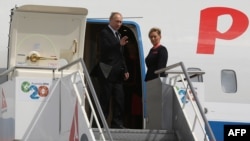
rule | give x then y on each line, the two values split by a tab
138	135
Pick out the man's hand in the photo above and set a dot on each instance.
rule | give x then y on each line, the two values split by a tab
126	76
124	40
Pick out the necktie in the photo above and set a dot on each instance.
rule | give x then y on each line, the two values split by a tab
117	36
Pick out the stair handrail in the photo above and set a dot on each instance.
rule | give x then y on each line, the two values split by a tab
85	71
194	108
207	126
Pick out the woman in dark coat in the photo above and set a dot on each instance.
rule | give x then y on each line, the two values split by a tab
157	57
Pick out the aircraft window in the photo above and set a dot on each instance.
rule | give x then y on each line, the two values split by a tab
228	81
195	78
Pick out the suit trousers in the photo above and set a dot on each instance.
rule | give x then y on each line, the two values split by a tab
115	91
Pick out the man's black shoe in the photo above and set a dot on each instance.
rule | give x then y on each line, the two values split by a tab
119	127
122	127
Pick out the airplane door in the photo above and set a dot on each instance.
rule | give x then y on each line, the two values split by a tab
46	36
133	52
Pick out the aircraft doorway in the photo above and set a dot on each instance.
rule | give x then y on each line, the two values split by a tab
133	86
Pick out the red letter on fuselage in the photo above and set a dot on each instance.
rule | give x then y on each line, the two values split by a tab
208	32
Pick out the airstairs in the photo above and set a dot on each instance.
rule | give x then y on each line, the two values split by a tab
70	109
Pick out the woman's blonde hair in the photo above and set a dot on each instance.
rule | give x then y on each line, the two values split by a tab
154	29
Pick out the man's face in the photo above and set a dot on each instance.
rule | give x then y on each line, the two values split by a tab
116	22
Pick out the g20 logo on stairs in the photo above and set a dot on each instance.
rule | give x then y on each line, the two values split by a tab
185	98
36	91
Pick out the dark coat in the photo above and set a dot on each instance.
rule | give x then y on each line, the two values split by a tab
157	59
111	55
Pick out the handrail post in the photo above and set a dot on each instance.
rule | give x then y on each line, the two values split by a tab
210	132
96	99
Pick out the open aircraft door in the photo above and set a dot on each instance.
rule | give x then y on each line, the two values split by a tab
46	36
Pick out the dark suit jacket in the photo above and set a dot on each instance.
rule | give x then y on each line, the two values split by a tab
111	53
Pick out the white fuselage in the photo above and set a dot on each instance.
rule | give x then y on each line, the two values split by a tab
212	42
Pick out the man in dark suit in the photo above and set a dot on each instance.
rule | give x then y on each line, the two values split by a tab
113	70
